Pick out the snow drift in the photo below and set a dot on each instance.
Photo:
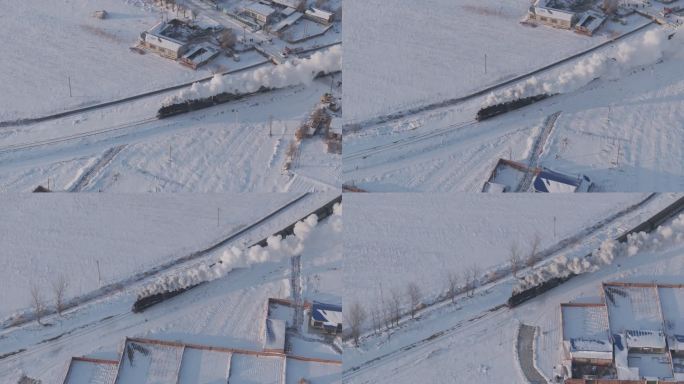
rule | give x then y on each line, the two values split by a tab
300	71
646	50
560	267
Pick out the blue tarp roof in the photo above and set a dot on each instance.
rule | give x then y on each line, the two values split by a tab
547	174
318	307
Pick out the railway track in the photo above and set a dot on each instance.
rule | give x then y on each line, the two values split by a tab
663	215
111	321
367	152
455	101
76	136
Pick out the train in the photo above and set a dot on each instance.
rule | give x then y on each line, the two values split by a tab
206	102
530	293
501	108
144	302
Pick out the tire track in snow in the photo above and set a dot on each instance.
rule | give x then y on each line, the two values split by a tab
537	148
89	175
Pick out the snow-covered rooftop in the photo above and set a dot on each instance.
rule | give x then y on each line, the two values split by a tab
330	315
154	36
634	307
274	335
261	9
319	13
204	366
672	303
84	371
585	331
541	7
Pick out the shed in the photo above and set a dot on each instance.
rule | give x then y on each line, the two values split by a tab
326	317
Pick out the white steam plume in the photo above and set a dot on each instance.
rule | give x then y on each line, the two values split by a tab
646	50
290	73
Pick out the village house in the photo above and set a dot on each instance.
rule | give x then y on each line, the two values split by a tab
326	318
319	15
542	12
261	13
157	41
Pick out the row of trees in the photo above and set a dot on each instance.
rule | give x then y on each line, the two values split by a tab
388	313
517	259
39	304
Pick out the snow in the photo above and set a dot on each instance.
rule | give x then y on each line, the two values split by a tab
201	366
94	53
249	369
275	335
74	235
149	363
672	303
405	54
586	331
447	233
634	309
620	104
223	149
226	313
423	349
88	372
313	372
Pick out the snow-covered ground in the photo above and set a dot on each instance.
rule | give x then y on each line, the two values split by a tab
57	40
227	312
622	130
402	54
432	347
239	146
226	148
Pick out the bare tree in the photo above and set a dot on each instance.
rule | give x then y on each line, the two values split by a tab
532	258
395	308
452	286
610	6
473	275
227	39
37	302
356	318
59	287
414	297
514	259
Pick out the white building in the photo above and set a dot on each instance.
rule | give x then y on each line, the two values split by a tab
260	12
155	40
557	18
319	15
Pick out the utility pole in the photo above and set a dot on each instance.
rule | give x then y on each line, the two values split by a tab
485	63
617	160
69	81
99	277
270	126
554	227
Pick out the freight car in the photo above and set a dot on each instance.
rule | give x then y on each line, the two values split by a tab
206	102
144	302
522	296
501	108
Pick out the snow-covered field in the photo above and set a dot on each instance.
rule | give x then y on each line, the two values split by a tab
402	54
223	149
58	40
228	311
623	130
424	349
45	236
438	234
